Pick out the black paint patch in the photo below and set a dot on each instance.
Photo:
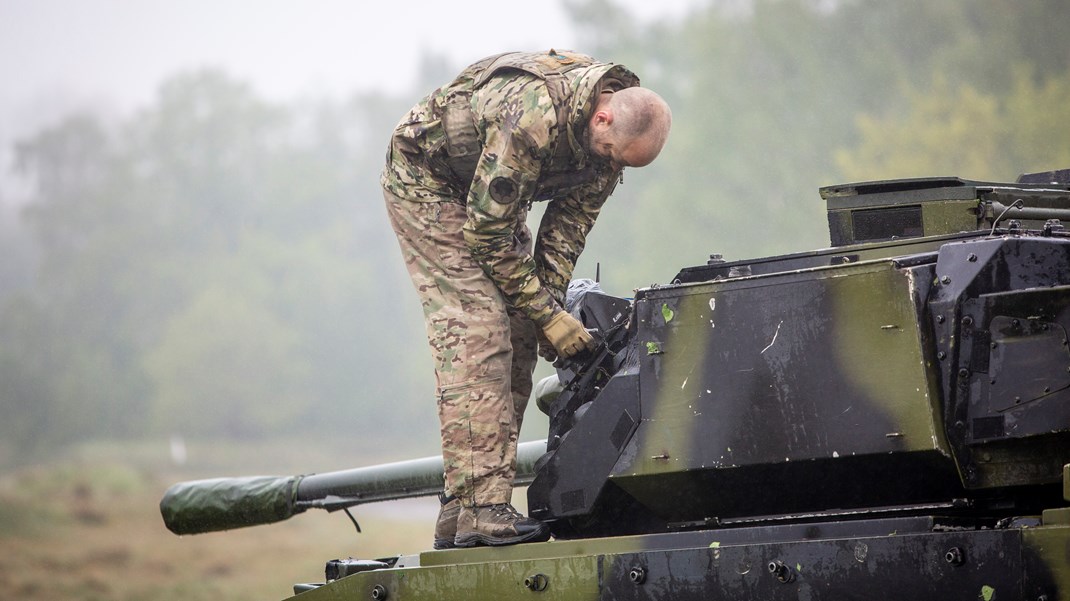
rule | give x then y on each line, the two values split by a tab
620	433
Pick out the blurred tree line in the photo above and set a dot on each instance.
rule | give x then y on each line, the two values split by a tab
217	265
213	266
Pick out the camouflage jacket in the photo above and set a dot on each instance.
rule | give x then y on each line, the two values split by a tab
493	139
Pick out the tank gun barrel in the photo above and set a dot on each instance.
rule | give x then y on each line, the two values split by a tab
226	503
400	480
1023	212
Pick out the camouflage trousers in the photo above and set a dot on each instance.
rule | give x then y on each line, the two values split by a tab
484	350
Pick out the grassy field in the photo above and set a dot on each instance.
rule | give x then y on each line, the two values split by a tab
87	527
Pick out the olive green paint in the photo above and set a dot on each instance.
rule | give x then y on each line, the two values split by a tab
668	418
880	351
537	551
666	312
1057	516
949	217
877	346
1052	545
571	568
1066	482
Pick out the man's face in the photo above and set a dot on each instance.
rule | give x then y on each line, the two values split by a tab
634	152
604	147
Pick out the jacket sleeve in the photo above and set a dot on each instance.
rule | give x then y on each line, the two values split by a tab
517	124
563	232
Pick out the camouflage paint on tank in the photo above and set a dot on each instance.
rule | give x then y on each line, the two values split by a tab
815	365
1015	563
1047	552
881	341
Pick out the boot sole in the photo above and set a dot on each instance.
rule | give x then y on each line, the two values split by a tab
473	539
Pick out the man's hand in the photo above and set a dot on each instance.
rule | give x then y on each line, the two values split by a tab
567	335
546	350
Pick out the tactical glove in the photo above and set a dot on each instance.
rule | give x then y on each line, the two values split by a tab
546	350
567	335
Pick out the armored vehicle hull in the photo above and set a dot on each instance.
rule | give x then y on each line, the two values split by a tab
898	558
889	417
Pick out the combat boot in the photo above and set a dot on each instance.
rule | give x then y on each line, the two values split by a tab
497	525
446	526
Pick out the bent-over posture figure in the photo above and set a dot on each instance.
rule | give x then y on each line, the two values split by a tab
463	168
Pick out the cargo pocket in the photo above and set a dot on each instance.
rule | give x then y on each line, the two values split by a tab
477	425
463	147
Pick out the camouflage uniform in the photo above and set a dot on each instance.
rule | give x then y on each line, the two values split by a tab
462	171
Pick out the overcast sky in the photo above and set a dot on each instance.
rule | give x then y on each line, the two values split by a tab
59	54
111	55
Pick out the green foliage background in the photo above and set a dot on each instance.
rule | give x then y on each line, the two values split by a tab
219	266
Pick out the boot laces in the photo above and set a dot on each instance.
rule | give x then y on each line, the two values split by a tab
506	510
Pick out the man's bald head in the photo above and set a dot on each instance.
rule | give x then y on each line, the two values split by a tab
630	127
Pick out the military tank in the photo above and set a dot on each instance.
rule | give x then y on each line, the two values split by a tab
885	418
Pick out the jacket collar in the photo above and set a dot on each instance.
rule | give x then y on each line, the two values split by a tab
585	90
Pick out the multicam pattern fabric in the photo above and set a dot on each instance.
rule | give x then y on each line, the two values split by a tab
463	168
526	156
484	351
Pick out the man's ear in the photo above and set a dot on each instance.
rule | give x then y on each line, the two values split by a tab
603	117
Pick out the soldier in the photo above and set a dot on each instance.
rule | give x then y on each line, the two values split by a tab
462	170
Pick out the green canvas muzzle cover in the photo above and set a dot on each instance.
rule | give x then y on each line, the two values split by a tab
227	503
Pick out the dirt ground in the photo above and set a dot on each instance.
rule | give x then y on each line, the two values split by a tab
89	528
